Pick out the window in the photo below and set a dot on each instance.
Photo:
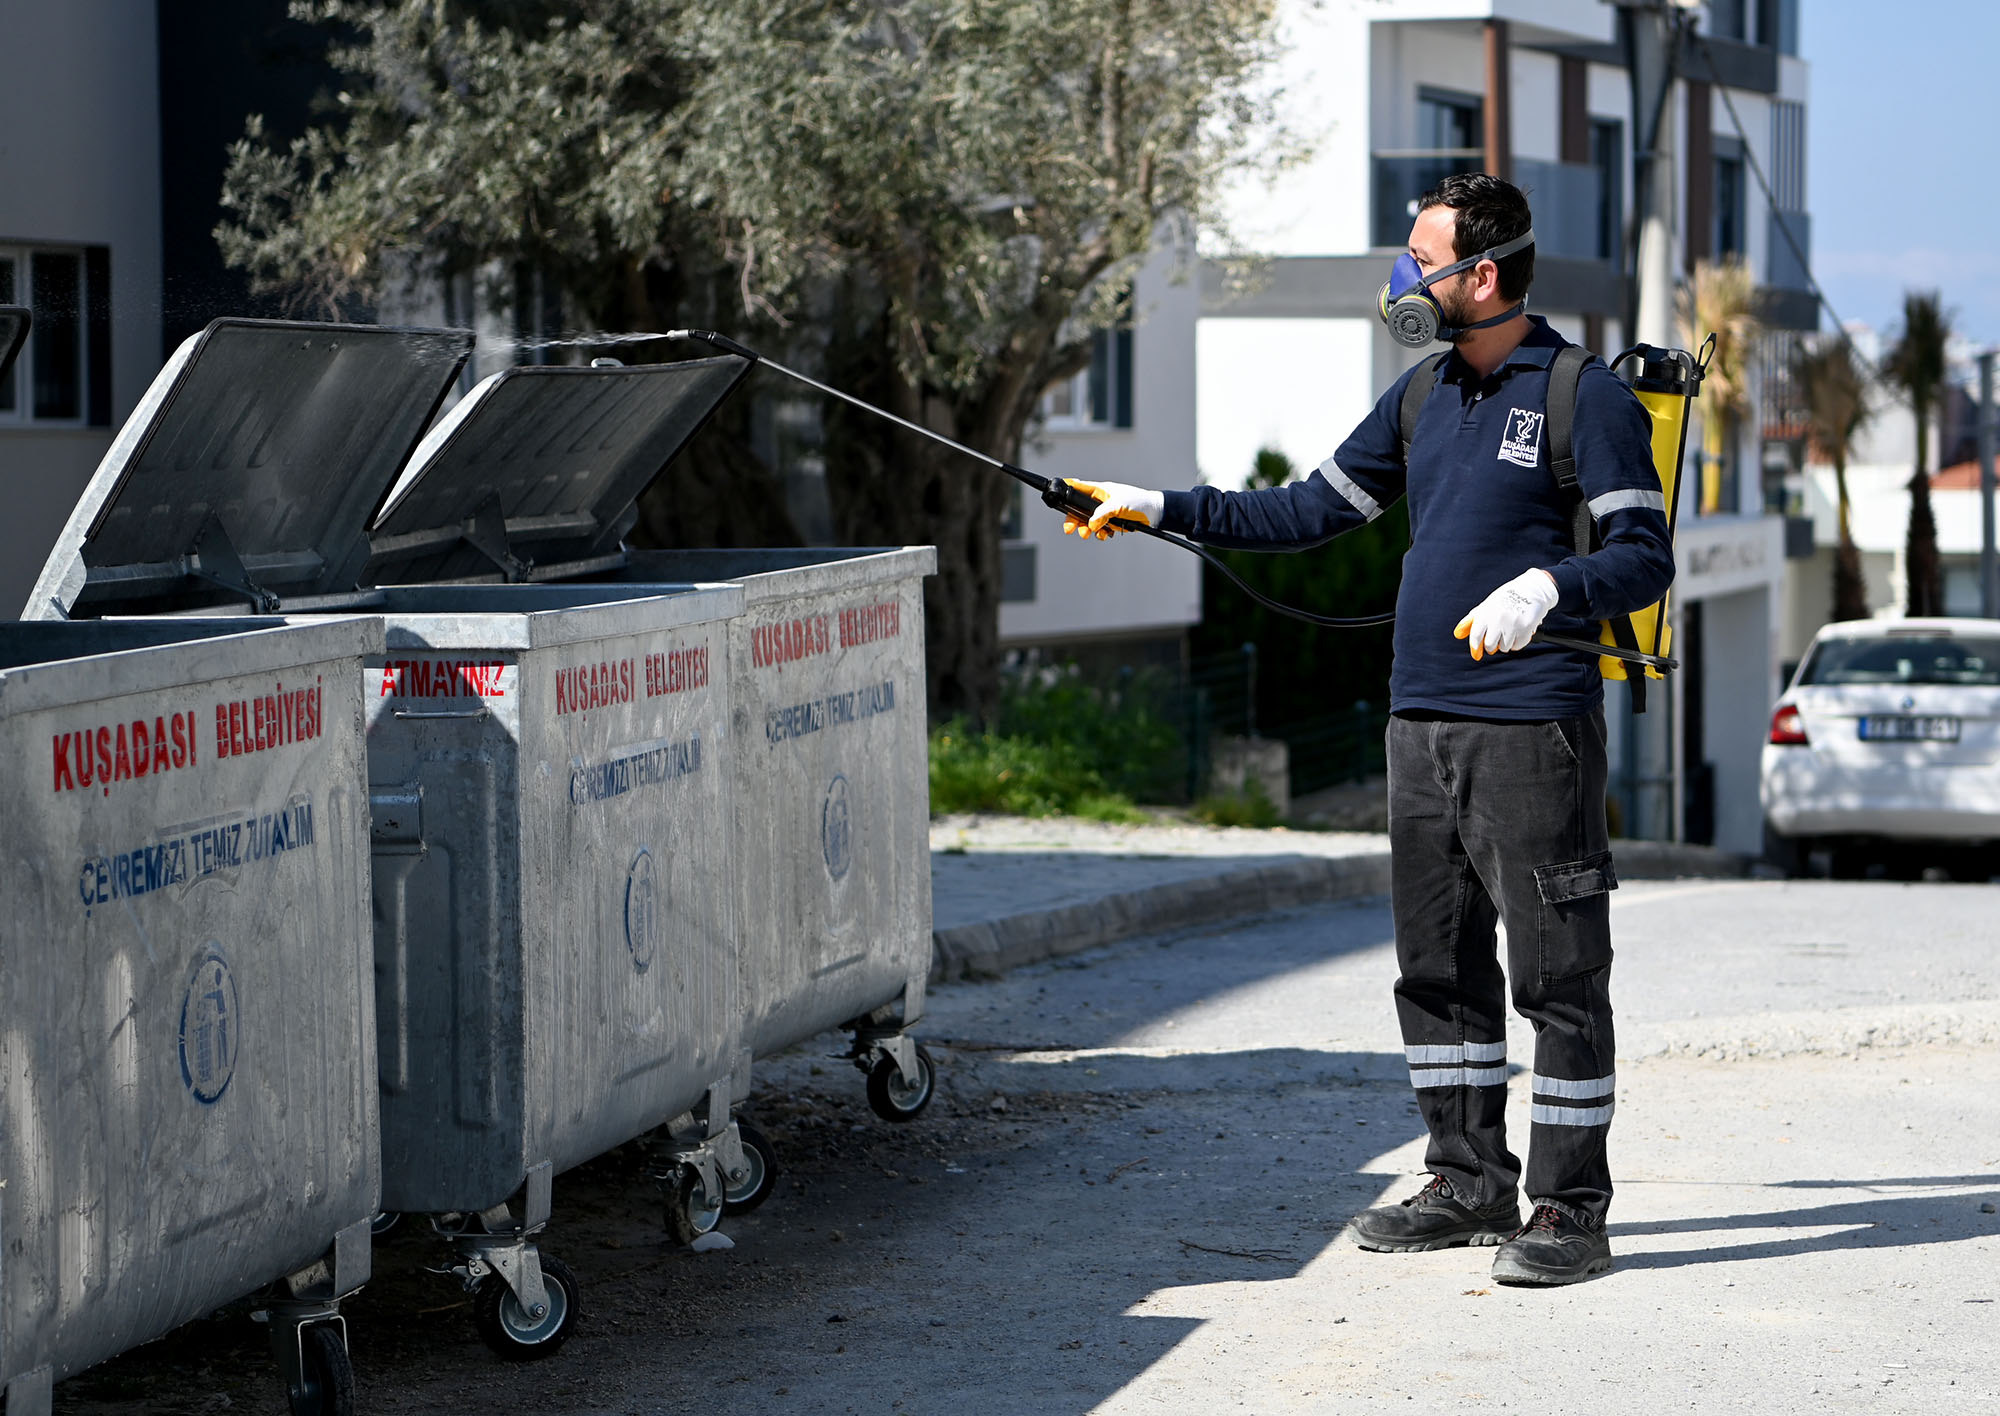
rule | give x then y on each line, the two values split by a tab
10	401
1100	396
1904	658
1729	207
1607	155
63	376
1726	19
1449	121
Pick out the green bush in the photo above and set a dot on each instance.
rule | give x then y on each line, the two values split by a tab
1063	746
1017	775
1124	730
1250	807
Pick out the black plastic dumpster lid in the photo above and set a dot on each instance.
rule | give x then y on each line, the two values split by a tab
251	468
14	322
534	475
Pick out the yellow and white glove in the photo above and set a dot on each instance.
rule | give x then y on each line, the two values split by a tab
1509	617
1115	499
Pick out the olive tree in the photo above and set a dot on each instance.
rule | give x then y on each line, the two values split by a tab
932	202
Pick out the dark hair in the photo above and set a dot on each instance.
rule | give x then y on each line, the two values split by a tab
1491	211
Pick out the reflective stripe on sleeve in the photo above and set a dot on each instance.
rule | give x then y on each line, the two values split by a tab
1601	507
1350	489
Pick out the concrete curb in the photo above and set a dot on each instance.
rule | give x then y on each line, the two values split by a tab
991	947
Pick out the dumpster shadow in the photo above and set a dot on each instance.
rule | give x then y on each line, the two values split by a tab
1884	1222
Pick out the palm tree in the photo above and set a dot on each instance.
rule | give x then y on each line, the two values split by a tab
1722	301
1835	394
1916	366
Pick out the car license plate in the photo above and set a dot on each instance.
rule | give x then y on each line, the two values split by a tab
1896	728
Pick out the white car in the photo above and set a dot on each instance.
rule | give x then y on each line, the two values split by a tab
1887	742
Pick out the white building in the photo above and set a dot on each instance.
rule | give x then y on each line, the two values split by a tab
1129	418
1398	93
80	246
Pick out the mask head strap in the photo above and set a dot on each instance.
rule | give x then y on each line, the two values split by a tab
1504	249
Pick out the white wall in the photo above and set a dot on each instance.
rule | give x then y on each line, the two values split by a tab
1537	104
1321	205
1297	385
79	165
1128	585
1739	689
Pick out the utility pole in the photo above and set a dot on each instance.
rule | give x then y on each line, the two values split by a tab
1652	34
1989	564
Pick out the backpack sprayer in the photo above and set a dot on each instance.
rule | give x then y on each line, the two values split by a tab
1665	394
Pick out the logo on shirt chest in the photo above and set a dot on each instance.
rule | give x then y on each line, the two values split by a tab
1523	441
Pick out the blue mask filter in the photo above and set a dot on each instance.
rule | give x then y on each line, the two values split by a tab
1413	314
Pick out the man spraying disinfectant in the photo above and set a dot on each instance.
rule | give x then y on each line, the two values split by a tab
1496	743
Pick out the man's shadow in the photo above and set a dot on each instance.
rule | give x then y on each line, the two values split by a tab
1948	1214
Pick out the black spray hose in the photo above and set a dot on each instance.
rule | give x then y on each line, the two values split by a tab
1061	496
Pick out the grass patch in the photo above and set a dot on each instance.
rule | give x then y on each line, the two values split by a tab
1250	807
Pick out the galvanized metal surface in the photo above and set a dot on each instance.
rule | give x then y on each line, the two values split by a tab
830	788
187	1108
554	917
257	457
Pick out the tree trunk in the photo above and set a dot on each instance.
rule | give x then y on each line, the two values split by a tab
888	486
1924	595
1924	592
1850	587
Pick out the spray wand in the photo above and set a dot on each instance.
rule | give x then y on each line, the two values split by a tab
1061	496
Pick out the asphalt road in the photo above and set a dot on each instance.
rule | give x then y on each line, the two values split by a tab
1129	1195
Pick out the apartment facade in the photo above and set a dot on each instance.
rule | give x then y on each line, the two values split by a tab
1396	94
79	246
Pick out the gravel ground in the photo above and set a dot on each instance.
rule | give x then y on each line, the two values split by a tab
1129	1194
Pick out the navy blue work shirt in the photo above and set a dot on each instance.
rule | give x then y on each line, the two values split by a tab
1484	507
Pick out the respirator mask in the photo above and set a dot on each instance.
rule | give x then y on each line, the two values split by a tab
1413	314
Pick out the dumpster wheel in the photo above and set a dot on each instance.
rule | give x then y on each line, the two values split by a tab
755	1187
895	1099
690	1211
506	1327
326	1386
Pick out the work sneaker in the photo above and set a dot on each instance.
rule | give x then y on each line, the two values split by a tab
1433	1218
1552	1249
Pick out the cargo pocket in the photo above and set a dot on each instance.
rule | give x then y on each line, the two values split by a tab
1575	911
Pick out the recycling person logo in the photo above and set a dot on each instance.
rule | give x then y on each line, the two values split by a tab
210	1033
836	834
642	910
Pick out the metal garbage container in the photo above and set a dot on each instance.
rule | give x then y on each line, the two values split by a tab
553	889
534	476
187	1103
830	800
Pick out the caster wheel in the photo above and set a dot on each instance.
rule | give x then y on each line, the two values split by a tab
507	1328
691	1210
326	1379
384	1221
894	1099
753	1189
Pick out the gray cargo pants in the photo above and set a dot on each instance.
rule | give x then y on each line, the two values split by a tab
1504	822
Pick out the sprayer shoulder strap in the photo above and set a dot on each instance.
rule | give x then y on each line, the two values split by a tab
1422	380
1565	371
